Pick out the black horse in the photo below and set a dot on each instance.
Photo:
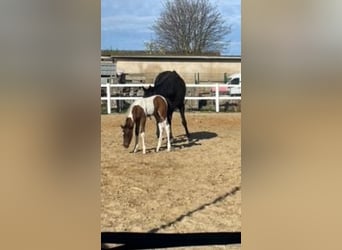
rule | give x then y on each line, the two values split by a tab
170	85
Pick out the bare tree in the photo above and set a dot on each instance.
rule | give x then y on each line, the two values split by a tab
190	27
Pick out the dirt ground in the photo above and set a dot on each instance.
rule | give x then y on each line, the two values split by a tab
193	188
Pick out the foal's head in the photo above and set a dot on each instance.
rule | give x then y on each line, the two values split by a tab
127	132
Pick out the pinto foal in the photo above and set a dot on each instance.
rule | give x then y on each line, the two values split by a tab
139	110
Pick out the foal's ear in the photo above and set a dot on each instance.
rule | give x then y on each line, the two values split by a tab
122	126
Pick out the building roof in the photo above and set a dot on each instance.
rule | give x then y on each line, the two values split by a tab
176	58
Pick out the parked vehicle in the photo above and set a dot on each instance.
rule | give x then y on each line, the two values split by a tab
233	87
234	84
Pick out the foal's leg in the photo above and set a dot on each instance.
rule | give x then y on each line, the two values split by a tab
160	136
164	125
137	128
167	130
142	133
136	144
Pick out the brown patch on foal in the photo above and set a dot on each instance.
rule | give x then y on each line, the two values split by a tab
160	111
139	118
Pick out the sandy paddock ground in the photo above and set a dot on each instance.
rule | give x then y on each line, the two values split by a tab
193	188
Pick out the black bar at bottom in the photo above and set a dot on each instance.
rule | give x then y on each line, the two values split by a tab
159	240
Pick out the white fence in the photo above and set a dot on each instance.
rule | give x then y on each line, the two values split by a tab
216	95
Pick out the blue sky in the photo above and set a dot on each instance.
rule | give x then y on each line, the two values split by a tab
126	24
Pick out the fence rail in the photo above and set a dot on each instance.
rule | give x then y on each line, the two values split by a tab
216	95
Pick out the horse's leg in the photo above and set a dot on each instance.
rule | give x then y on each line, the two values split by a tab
169	119
181	111
157	129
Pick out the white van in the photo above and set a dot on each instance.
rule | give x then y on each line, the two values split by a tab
234	84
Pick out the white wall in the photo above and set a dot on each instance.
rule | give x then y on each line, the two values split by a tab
212	71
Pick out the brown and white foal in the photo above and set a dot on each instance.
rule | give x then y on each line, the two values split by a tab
139	110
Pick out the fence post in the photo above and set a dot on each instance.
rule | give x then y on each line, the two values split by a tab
197	78
217	100
108	99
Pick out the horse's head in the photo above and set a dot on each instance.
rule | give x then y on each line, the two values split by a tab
127	132
148	91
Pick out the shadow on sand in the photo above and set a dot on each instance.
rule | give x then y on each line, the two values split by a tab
203	135
202	207
181	141
195	139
